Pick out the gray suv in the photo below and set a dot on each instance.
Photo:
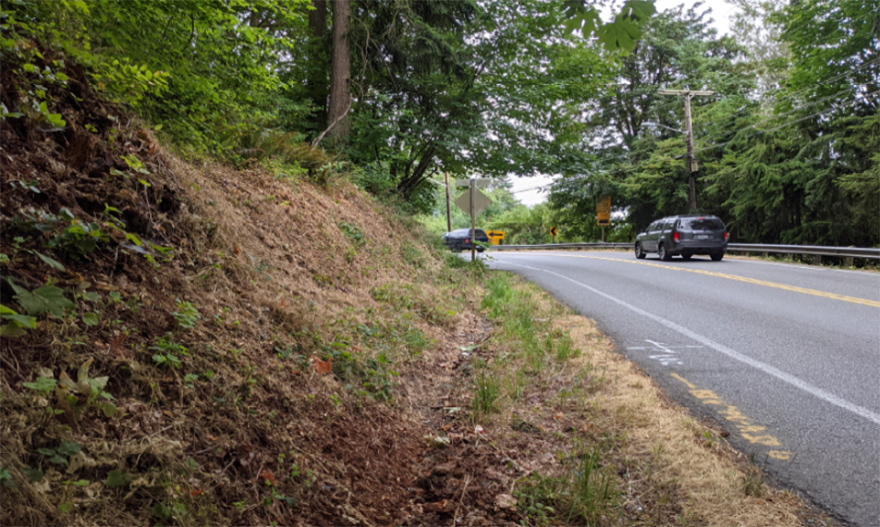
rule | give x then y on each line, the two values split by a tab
684	235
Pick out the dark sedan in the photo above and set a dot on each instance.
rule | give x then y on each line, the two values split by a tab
460	239
684	235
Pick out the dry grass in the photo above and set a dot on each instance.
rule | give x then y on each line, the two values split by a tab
664	456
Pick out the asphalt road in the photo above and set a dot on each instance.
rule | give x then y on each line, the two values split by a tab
785	357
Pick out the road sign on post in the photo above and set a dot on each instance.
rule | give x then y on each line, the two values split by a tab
552	231
481	202
473	202
603	211
495	237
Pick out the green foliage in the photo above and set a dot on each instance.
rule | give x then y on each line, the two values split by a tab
187	314
486	392
43	385
353	232
17	325
61	455
620	33
87	392
195	67
583	495
363	374
169	352
47	299
117	478
6	478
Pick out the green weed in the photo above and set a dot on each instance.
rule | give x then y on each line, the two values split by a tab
487	391
353	232
583	495
187	314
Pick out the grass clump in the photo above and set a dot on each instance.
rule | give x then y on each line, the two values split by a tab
487	391
583	495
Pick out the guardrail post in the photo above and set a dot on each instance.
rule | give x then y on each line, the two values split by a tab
848	261
817	259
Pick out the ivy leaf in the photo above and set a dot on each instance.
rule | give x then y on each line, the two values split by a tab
116	478
92	296
58	460
20	320
69	448
44	299
54	264
12	331
33	474
109	409
91	319
65	506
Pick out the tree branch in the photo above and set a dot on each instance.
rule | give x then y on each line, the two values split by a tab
334	123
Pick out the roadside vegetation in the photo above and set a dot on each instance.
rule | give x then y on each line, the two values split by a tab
207	319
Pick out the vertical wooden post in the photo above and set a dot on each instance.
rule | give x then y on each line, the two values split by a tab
472	188
448	208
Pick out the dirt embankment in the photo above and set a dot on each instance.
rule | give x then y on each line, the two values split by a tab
193	344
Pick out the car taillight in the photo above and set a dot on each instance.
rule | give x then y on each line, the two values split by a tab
726	235
675	236
467	240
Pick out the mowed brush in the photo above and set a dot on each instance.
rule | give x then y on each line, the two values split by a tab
196	344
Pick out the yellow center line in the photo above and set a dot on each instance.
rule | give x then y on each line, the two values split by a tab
804	290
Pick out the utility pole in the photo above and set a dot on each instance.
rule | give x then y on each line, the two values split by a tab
691	162
448	208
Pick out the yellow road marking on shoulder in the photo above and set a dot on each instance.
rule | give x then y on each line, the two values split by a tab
686	383
743	424
804	290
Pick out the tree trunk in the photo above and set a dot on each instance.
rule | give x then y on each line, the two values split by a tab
410	182
317	85
340	92
318	18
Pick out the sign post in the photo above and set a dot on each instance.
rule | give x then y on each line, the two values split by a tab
448	208
473	202
473	221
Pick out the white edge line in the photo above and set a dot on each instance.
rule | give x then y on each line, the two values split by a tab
766	368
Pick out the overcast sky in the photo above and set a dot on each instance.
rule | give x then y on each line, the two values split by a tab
721	13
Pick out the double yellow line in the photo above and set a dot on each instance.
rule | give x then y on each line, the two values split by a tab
804	290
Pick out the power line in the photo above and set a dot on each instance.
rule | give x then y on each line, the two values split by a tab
778	116
800	92
711	147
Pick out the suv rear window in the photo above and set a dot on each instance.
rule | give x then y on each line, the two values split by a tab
701	224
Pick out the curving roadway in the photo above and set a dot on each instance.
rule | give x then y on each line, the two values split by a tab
785	357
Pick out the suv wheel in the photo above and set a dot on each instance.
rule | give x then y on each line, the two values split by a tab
665	256
640	254
716	257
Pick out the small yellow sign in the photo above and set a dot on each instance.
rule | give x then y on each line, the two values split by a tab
552	231
603	210
495	237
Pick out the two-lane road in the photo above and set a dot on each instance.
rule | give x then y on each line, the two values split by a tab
785	357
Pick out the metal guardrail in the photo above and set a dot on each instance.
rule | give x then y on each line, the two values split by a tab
809	250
